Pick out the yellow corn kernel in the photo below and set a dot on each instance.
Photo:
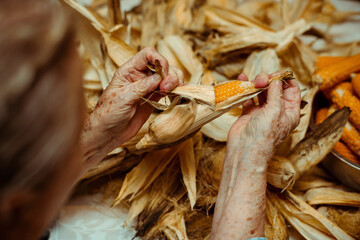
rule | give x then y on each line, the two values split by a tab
342	97
333	74
344	151
356	84
229	89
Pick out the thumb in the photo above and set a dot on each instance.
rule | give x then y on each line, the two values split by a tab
141	88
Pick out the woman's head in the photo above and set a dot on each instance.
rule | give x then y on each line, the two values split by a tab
41	108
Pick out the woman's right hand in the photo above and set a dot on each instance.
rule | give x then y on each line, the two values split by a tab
271	122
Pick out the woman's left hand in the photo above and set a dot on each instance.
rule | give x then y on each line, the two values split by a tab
120	112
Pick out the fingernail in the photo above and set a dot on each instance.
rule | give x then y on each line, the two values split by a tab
278	82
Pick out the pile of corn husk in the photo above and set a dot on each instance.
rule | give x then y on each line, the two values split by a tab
171	185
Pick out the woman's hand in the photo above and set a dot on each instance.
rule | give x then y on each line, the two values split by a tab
252	141
121	112
272	121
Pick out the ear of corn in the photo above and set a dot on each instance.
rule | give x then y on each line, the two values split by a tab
232	88
325	61
321	115
345	151
356	84
331	75
351	137
342	97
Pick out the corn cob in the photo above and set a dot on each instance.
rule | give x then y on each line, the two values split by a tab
344	151
338	72
232	88
325	61
350	135
321	115
356	84
342	97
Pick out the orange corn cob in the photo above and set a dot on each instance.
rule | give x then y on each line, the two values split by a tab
229	89
333	74
343	150
350	135
321	115
325	61
356	84
342	97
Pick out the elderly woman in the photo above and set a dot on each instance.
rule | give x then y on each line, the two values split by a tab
46	143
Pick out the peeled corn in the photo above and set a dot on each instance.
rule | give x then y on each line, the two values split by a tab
229	89
345	151
325	61
342	97
356	84
331	75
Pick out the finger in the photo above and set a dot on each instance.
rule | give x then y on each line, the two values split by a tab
141	88
274	94
261	80
242	77
292	101
275	74
148	54
175	78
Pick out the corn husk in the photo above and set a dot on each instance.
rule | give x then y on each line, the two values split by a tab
275	226
332	196
281	173
210	44
318	143
346	218
307	221
188	118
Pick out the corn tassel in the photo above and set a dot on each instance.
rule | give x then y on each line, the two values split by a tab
338	72
342	97
229	89
325	61
356	84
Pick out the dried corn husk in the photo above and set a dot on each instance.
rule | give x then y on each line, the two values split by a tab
347	218
307	221
281	173
142	176
318	143
332	196
188	166
275	226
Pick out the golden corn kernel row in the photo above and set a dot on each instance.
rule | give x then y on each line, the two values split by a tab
321	115
350	136
344	151
229	89
335	73
325	61
342	97
356	84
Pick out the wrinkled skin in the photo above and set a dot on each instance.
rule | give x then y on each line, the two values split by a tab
252	142
120	112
